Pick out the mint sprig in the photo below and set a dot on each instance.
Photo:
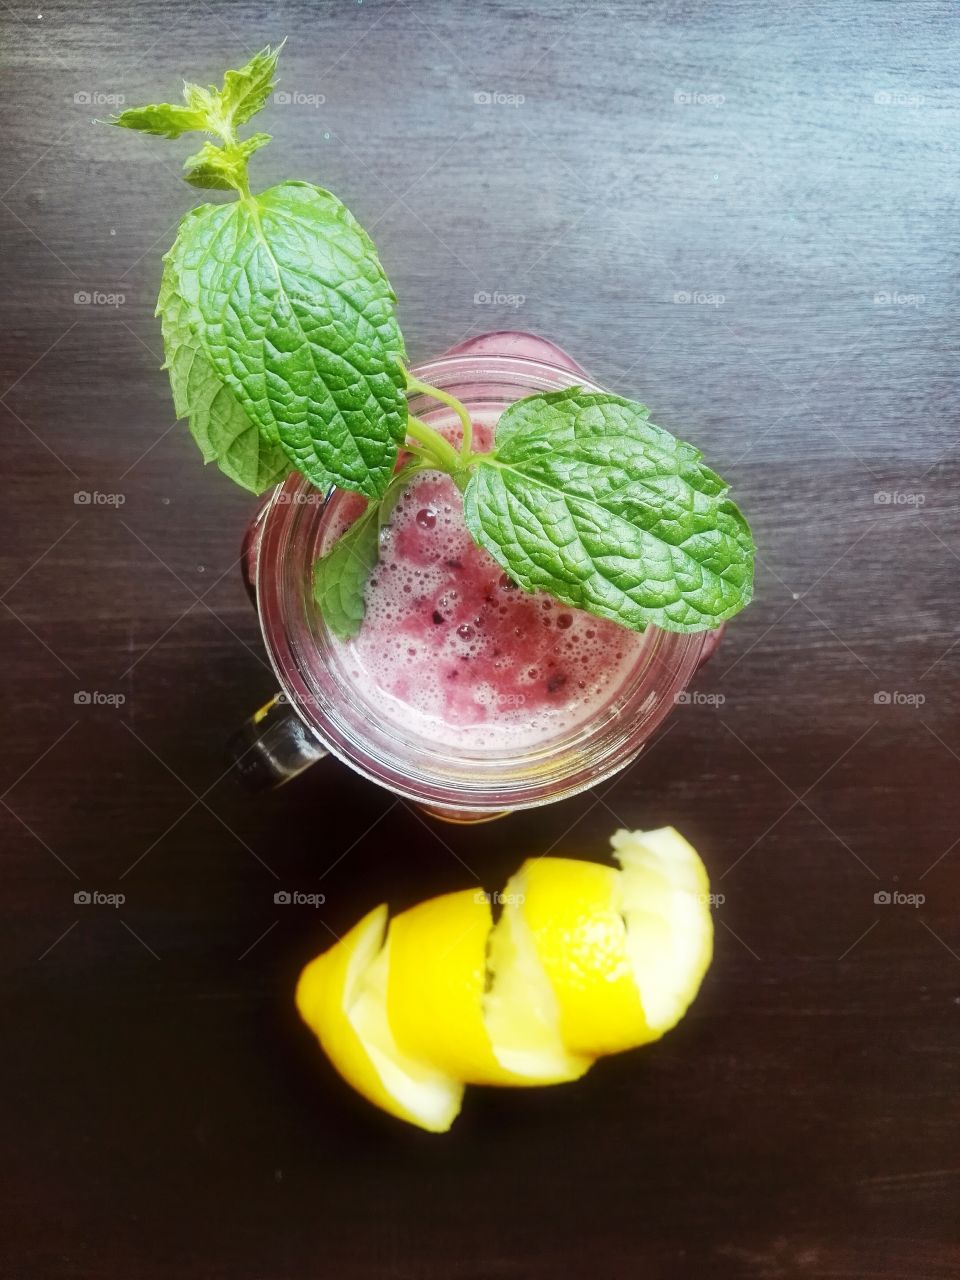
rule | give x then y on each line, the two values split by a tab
284	352
583	497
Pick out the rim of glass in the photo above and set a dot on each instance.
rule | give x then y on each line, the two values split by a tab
426	773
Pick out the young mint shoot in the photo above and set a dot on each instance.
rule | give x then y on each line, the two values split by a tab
285	354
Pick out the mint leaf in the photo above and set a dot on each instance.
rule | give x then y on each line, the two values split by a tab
339	577
586	499
217	111
246	91
292	308
223	168
217	420
163	119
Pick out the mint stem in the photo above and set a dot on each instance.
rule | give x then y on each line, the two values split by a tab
424	388
442	451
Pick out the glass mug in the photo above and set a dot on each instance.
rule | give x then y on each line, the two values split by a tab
317	714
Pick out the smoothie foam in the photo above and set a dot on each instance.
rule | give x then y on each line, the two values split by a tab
452	651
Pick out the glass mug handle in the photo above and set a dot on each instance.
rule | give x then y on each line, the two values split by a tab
273	746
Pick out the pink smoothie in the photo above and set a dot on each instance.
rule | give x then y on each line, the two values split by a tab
451	650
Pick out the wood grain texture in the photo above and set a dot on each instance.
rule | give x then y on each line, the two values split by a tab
168	1116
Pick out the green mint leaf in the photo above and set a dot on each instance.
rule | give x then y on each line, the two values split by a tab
289	302
339	577
217	111
246	91
163	119
586	499
223	168
217	420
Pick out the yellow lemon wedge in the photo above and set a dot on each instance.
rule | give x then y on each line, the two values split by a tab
666	903
342	996
436	999
572	910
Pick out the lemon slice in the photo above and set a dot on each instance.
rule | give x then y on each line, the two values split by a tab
522	1013
585	960
572	910
665	901
435	997
342	996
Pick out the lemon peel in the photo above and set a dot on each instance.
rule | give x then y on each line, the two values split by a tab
439	1008
585	960
341	996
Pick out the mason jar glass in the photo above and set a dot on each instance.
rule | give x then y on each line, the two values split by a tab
318	712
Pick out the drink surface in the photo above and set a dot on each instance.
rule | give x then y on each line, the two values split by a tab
452	651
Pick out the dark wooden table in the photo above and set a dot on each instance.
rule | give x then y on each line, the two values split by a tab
744	214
